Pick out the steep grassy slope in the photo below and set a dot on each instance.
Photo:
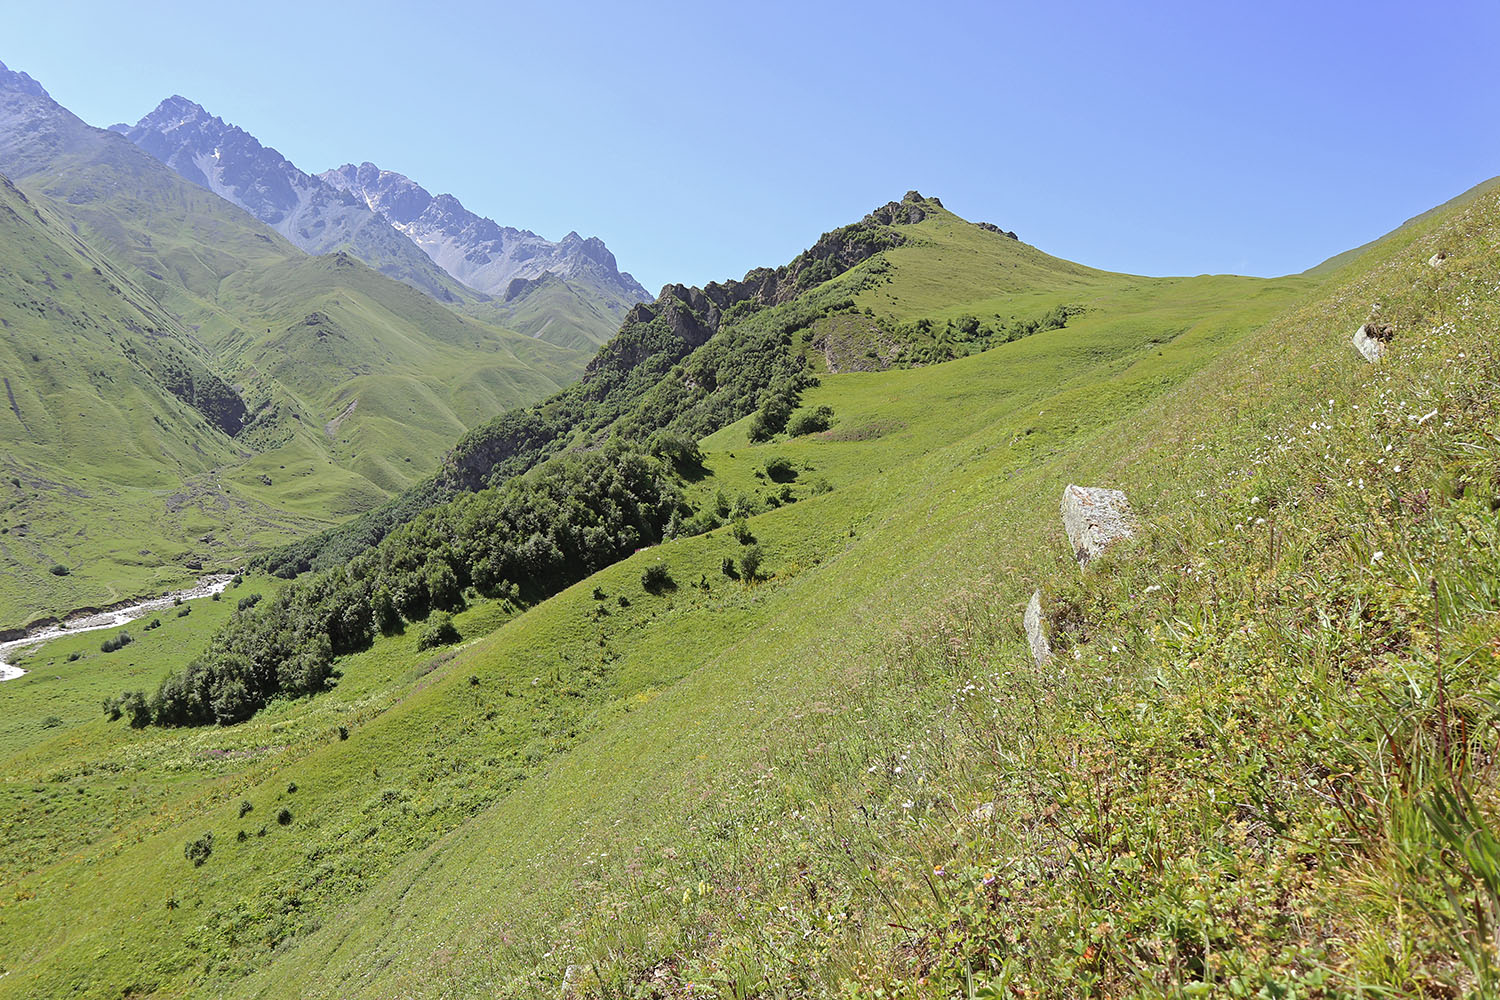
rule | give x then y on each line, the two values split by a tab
1451	205
109	400
401	375
509	747
1262	763
559	311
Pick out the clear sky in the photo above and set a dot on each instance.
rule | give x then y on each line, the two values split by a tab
703	139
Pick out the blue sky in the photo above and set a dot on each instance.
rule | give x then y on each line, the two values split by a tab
700	140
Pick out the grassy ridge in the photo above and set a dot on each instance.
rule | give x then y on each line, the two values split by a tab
1241	782
697	359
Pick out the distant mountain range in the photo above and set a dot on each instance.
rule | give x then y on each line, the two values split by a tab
393	224
314	216
478	251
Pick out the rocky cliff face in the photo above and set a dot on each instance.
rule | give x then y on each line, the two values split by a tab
478	251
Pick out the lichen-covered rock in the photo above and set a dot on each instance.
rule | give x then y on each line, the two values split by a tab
1095	518
1036	632
1371	340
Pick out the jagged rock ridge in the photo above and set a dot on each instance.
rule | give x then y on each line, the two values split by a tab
478	251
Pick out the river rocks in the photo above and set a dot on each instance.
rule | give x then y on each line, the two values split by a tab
1094	518
1371	339
1036	632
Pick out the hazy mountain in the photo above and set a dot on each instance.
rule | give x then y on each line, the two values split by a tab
391	223
478	251
166	381
314	215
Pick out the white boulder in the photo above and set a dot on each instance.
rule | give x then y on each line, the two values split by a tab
1095	518
1369	342
1036	632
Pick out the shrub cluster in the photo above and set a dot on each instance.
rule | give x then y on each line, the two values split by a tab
117	642
197	851
439	631
656	578
970	334
810	421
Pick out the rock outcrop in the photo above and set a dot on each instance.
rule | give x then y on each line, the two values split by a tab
1036	630
909	211
992	228
1371	340
1095	519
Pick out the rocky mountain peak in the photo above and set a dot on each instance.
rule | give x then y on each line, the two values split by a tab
478	251
398	198
13	80
179	109
911	209
388	220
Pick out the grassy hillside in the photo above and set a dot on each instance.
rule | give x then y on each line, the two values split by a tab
109	401
402	375
559	311
1458	201
1259	763
507	747
699	358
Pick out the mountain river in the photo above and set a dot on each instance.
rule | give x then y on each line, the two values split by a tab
94	621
